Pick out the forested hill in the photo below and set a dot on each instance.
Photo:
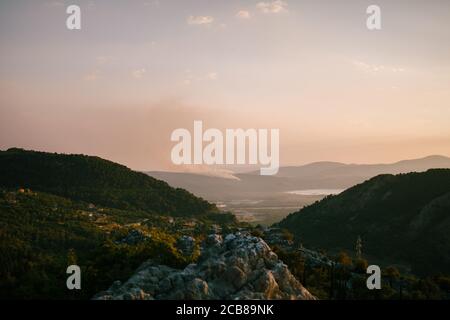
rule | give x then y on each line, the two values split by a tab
404	217
97	181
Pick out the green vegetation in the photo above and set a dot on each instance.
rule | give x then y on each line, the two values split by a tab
58	210
346	279
402	219
41	234
97	181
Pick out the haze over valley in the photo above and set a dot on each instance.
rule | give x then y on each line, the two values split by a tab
268	199
134	149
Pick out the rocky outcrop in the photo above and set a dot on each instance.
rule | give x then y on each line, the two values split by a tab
315	259
186	245
239	266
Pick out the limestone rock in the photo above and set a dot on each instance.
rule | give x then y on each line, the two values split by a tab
239	266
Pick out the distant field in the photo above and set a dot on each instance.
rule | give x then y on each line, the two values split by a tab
271	208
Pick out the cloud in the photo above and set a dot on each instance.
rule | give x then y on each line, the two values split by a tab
207	170
277	6
103	60
191	78
139	73
374	68
243	14
200	20
92	76
212	76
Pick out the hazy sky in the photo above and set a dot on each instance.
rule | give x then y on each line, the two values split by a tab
140	69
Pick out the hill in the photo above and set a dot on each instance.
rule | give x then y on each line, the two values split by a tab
41	234
95	180
346	175
57	210
317	175
403	217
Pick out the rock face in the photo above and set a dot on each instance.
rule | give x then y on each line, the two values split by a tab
315	259
238	266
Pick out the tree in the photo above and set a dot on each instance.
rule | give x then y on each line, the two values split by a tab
360	265
344	259
392	274
286	235
71	257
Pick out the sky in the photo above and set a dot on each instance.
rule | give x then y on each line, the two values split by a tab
139	69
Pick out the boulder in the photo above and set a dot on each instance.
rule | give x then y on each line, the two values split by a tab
239	266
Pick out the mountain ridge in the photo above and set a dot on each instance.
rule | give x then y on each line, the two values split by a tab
317	175
404	217
93	179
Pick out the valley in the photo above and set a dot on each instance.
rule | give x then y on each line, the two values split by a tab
268	199
271	208
137	237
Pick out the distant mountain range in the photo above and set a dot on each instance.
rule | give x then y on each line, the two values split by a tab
318	175
58	210
403	217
